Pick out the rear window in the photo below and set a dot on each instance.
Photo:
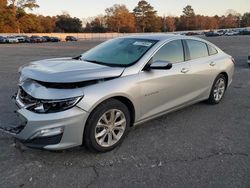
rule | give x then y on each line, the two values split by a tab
197	49
211	50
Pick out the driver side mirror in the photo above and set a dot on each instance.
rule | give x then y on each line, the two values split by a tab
159	65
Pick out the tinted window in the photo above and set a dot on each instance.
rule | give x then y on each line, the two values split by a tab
119	52
212	50
197	49
172	52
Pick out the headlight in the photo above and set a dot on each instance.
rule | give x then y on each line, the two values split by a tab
52	106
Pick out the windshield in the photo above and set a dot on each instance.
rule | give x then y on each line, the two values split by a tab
120	52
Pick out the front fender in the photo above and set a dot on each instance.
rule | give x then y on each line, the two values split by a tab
120	87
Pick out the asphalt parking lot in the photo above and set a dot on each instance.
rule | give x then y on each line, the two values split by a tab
199	146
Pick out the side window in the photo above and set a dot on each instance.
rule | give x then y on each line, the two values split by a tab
211	50
172	52
197	49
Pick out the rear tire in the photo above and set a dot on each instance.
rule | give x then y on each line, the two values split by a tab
106	126
218	90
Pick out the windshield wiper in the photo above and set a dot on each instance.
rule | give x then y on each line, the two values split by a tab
77	57
105	64
94	61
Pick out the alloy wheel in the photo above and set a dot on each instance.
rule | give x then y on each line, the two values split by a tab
110	127
219	89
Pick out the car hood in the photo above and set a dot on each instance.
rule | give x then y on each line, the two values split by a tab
67	70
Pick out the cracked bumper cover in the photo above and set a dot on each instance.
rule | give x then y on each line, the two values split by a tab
72	122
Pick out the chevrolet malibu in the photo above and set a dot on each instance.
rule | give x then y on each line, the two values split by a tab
94	99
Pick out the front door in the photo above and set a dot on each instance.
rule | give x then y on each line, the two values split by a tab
162	90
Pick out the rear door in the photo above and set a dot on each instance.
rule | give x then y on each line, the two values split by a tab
203	67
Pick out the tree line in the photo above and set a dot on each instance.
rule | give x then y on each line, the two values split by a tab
118	18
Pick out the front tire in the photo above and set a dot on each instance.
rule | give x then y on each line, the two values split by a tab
107	126
218	90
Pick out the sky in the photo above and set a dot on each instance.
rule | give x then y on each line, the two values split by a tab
84	9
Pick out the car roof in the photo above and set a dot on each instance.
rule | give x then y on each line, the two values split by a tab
160	37
164	37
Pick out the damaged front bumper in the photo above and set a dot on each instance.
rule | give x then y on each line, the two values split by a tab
52	131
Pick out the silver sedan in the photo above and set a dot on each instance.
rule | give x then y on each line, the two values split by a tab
94	99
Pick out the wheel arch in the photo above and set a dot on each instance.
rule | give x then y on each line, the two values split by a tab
226	76
129	105
123	99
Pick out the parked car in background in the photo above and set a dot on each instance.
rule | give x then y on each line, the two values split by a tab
11	39
48	39
244	32
26	39
2	39
55	39
221	32
182	33
36	39
44	39
96	97
212	34
231	33
70	38
21	39
192	33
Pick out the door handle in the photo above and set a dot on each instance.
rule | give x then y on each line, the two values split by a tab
212	64
184	70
